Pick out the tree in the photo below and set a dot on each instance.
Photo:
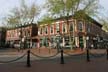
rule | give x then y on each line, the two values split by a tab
104	22
22	15
75	8
70	7
46	19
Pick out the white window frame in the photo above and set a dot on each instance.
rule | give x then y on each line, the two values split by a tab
52	28
71	23
46	29
41	30
80	22
64	24
57	27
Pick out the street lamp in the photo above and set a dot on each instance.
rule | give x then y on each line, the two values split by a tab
61	47
87	50
58	42
20	40
87	38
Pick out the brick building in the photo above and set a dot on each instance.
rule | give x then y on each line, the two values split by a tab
21	36
71	34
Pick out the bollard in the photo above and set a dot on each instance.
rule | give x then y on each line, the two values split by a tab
88	57
28	58
107	54
62	57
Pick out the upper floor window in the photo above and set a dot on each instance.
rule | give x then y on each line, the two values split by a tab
57	28
88	27
71	26
64	28
27	32
80	26
46	29
51	28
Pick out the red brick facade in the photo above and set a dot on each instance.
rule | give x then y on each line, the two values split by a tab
80	30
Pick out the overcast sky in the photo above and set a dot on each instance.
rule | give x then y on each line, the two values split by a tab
7	5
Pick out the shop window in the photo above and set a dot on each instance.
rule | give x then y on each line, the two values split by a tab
81	44
66	40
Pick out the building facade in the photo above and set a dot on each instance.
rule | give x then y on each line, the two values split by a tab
21	36
71	34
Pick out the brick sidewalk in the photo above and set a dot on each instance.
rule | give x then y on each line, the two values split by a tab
41	51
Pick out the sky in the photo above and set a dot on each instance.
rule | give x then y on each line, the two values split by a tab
7	5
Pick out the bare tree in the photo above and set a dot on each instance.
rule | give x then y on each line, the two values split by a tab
23	14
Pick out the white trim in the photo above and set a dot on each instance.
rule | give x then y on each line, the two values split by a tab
52	29
64	25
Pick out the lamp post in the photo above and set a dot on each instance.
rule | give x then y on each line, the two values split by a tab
87	38
87	46
20	39
61	48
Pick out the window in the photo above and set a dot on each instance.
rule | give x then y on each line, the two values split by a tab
66	40
57	28
45	41
80	26
46	29
27	33
71	26
51	29
64	27
88	27
81	43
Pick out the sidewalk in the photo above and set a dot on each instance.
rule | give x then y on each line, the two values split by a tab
41	51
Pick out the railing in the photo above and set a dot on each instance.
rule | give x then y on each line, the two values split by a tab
88	54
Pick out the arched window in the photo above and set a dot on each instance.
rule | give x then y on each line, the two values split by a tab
46	29
51	29
57	28
80	26
64	27
71	26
